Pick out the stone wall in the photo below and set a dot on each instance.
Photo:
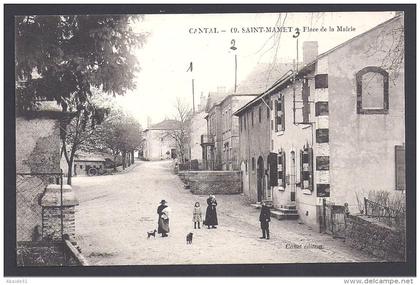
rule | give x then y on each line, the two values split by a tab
37	151
375	238
212	182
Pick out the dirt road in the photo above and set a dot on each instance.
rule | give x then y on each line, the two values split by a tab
116	211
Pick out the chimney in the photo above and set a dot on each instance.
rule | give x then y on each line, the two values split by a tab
310	51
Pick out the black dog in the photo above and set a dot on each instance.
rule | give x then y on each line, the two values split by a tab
189	238
151	233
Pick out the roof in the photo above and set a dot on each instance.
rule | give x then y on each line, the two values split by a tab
165	125
262	77
286	79
214	98
92	156
90	159
230	96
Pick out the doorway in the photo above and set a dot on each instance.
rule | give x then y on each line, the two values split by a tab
260	179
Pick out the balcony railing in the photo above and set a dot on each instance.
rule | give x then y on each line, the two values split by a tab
207	139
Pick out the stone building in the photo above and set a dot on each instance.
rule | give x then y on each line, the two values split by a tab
222	131
158	142
336	127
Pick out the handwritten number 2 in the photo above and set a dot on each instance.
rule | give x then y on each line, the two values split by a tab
232	42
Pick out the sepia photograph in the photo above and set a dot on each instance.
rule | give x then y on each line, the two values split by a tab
250	138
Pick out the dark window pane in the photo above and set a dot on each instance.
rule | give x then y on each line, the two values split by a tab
322	135
322	163
323	190
321	81
321	109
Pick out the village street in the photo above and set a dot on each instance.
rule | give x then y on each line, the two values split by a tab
116	211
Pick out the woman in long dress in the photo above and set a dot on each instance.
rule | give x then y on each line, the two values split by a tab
163	220
211	213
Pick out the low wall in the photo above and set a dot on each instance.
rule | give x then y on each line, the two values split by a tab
375	238
212	182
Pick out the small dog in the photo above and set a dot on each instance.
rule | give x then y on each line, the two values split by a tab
189	238
151	233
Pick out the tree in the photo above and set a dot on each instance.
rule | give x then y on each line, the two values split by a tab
80	129
181	135
61	57
118	134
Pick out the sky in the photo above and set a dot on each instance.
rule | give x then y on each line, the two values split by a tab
173	41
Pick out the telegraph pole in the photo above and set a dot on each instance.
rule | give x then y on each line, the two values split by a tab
234	48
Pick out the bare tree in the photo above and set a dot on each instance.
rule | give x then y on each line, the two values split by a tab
80	129
182	133
389	46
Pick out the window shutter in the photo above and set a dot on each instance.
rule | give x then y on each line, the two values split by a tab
283	117
305	100
272	159
284	169
301	168
306	168
400	167
311	168
275	116
281	169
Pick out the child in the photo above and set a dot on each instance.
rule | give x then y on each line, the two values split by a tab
197	215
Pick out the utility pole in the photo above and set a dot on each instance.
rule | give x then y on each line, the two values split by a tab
190	69
236	71
193	95
234	48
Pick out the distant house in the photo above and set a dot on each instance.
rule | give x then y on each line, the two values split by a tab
158	143
89	166
197	127
334	130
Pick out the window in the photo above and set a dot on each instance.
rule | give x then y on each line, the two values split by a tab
81	166
400	167
246	166
321	108
322	163
372	91
322	135
305	101
281	168
259	114
252	117
268	112
279	113
306	168
253	164
240	124
244	120
323	190
321	81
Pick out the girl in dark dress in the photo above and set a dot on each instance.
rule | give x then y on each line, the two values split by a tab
163	220
211	214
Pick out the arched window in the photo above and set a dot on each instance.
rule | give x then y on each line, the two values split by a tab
372	90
